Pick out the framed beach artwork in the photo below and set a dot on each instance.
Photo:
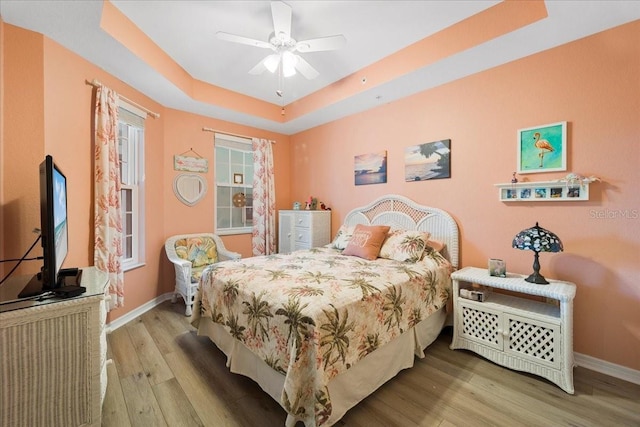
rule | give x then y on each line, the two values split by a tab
370	168
543	148
431	160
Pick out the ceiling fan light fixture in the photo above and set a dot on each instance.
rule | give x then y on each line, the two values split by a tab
283	59
289	61
271	62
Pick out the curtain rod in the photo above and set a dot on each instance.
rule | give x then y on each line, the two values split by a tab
206	129
96	83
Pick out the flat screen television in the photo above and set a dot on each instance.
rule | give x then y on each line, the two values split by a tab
53	229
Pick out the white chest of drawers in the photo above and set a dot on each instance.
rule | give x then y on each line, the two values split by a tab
302	229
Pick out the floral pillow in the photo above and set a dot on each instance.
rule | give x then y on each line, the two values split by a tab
405	245
201	251
342	237
366	241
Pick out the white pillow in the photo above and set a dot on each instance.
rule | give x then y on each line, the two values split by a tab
405	245
342	237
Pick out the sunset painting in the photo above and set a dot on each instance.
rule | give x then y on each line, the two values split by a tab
371	168
431	160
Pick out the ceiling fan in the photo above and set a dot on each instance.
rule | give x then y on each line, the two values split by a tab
284	47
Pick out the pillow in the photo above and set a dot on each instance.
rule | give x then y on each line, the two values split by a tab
366	241
436	245
405	245
201	251
342	237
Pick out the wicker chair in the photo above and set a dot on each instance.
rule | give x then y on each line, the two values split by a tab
190	255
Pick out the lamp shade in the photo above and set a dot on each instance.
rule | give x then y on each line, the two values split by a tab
537	239
271	62
289	61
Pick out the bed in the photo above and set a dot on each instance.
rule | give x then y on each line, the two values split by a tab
319	330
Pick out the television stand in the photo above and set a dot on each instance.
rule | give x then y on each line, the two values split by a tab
53	368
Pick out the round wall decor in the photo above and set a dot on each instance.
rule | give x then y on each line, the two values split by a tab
239	200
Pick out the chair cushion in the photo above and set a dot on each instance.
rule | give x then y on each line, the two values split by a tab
201	251
196	273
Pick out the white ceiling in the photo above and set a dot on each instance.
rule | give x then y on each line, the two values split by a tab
185	30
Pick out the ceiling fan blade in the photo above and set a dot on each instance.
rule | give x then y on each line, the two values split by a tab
306	69
281	13
321	43
258	69
244	40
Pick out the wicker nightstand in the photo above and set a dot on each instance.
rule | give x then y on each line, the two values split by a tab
517	332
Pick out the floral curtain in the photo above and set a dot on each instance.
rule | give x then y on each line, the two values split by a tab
264	199
107	252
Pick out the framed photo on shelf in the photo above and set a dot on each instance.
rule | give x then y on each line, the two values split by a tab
573	192
542	148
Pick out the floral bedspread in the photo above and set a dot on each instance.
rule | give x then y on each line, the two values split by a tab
314	313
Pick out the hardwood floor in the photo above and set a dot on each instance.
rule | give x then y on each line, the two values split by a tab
164	375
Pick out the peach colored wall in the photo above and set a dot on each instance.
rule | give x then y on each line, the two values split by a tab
593	85
49	109
22	138
3	268
183	132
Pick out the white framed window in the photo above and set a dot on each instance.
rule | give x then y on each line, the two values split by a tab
131	148
233	159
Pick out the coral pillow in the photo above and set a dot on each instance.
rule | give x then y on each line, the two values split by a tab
366	241
437	245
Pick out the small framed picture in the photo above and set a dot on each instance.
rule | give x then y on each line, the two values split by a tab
238	178
573	192
541	193
497	267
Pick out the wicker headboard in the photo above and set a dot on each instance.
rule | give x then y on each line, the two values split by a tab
400	212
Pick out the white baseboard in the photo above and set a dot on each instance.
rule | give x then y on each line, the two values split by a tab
607	368
123	320
598	365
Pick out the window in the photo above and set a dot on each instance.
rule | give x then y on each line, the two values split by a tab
131	147
234	184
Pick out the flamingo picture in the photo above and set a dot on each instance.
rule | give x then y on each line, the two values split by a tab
543	145
542	148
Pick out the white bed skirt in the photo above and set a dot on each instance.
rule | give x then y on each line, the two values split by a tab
348	388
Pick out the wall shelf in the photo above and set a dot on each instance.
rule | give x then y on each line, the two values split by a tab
545	191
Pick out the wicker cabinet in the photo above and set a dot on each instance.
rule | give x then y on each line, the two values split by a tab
302	229
54	357
514	331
